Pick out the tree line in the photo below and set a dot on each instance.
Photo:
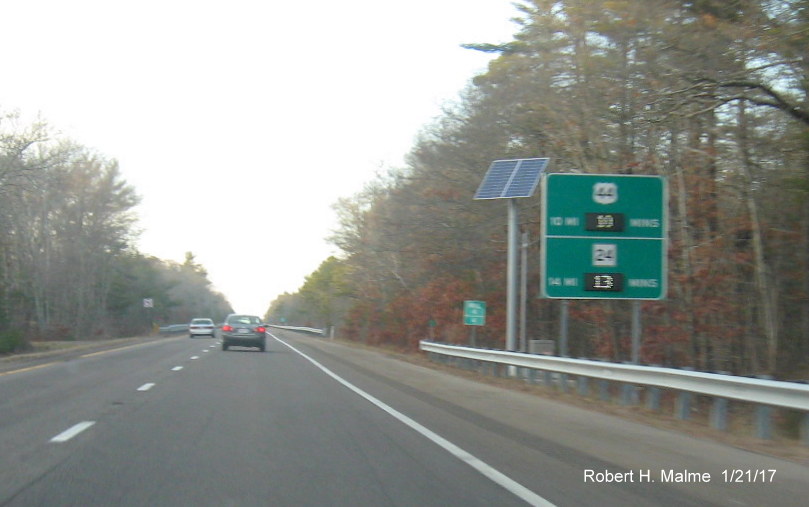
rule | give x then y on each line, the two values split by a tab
711	94
69	268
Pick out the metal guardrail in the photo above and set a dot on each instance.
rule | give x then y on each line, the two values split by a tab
310	330
770	393
765	392
174	328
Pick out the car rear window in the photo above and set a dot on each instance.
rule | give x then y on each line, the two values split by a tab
243	319
202	321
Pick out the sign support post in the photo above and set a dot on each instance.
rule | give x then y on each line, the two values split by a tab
524	292
511	285
511	179
636	332
563	320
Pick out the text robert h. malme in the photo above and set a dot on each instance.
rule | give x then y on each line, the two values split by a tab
676	476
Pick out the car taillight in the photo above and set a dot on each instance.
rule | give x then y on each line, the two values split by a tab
261	329
227	328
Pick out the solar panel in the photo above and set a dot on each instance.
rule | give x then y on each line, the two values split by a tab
525	178
511	178
496	179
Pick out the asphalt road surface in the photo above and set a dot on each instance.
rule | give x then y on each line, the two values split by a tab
179	422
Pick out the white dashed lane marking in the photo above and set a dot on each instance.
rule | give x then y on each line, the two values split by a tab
82	426
72	432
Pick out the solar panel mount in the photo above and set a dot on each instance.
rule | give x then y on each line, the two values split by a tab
508	179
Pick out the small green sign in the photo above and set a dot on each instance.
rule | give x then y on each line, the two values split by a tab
474	313
603	236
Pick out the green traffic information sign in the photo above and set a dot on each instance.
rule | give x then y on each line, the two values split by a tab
604	236
474	313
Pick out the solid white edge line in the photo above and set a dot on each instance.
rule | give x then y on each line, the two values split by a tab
146	386
72	432
498	477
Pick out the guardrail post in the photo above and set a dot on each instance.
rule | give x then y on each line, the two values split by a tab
653	398
764	416
719	414
563	382
804	429
763	422
629	394
604	390
584	385
546	378
682	409
625	394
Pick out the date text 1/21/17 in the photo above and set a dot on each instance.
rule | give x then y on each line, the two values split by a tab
751	475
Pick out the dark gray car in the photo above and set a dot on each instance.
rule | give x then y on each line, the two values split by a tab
244	331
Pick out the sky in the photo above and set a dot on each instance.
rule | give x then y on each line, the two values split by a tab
241	122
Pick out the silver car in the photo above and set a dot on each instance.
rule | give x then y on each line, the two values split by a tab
201	327
244	331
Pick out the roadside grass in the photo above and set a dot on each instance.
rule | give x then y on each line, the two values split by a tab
54	348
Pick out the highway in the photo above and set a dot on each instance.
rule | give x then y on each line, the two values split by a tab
179	422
